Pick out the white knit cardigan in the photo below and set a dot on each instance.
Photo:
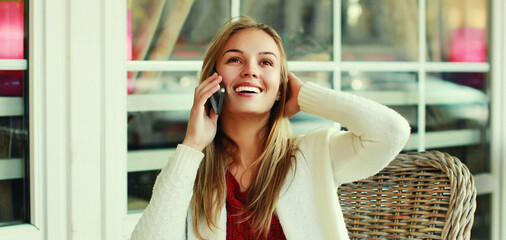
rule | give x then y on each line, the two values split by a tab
308	206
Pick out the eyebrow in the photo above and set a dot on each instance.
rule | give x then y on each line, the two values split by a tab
239	51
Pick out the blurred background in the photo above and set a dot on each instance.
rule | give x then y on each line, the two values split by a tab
429	60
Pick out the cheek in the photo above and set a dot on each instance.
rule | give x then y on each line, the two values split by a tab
274	81
226	80
226	75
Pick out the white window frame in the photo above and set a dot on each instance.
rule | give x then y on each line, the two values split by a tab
31	230
498	123
486	183
71	63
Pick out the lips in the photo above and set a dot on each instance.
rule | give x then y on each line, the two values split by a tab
247	88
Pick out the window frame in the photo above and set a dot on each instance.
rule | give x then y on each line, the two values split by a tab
497	183
56	156
31	230
487	183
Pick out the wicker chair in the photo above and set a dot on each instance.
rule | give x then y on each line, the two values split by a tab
426	195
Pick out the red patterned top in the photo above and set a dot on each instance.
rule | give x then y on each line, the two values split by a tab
235	202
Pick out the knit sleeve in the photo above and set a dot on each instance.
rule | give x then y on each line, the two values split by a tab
165	215
376	133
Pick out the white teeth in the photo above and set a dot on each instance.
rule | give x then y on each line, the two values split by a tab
247	89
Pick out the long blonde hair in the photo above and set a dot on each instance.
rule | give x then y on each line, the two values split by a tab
274	163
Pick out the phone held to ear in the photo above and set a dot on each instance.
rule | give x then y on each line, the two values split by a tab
217	100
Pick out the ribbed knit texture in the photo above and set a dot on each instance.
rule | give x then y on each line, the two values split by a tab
308	207
164	218
375	132
237	230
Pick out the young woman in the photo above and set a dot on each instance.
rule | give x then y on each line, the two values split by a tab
240	174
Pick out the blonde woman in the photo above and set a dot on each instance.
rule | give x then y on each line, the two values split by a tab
240	174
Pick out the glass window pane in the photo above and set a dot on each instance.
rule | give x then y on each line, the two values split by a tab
482	219
323	79
11	30
457	117
148	130
304	122
304	25
13	153
176	30
457	31
12	201
13	121
397	90
162	82
140	187
13	137
158	110
379	30
11	84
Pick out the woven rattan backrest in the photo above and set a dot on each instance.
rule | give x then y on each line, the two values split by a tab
426	195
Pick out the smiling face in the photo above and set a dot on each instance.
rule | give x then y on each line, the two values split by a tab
250	67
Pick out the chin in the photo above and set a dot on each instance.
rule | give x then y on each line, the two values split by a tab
249	111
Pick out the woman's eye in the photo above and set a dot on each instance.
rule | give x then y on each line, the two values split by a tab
267	62
234	60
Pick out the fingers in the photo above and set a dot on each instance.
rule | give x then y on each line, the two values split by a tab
295	83
294	80
209	82
291	75
202	125
207	88
292	105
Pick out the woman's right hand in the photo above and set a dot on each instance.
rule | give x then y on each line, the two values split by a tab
202	127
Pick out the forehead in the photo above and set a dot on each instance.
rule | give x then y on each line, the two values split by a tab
252	41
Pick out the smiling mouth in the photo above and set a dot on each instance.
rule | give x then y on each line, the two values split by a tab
247	89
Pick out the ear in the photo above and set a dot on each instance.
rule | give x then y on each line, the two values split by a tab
280	88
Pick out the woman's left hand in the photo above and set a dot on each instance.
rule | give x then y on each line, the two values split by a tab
292	105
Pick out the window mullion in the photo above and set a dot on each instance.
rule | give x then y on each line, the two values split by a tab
498	118
36	114
421	74
114	164
336	47
336	18
13	64
235	8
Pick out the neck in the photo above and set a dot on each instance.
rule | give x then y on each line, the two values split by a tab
246	132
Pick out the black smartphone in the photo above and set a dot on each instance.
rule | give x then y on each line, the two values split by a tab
217	98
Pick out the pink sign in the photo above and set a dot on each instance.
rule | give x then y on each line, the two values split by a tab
468	45
129	35
11	46
130	81
11	30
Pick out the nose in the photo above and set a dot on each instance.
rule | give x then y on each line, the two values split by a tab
250	71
